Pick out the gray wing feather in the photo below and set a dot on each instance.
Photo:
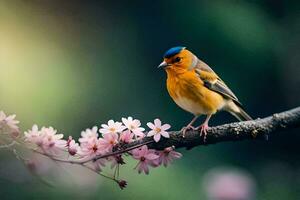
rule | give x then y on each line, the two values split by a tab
217	85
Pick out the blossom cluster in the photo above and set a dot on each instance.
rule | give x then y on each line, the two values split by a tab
99	147
96	142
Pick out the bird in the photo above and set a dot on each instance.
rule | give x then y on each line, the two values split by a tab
197	89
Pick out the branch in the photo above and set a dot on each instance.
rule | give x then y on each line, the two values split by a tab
255	129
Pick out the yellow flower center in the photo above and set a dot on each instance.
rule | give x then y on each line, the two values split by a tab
157	130
112	129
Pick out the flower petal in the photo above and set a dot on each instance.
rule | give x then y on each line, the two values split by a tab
104	131
151	156
137	122
144	150
165	134
124	120
145	168
165	127
176	154
110	122
151	133
156	137
104	126
157	122
151	125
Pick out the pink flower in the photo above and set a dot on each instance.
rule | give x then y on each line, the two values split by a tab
167	156
88	134
145	157
158	130
91	148
134	126
112	127
126	136
9	121
72	146
52	142
34	136
155	162
108	141
46	138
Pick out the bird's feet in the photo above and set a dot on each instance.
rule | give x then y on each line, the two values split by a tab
186	128
203	130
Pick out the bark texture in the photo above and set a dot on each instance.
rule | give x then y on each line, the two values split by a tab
255	129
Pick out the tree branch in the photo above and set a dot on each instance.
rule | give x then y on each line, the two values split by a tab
255	129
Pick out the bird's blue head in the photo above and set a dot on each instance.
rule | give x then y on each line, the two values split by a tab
178	59
173	51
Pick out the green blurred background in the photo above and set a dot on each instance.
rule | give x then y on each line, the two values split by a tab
72	64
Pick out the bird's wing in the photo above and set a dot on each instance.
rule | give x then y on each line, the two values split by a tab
213	82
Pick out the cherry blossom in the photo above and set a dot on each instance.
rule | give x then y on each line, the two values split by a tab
52	142
134	126
93	151
34	136
158	130
72	146
88	134
167	156
108	141
46	138
90	148
112	127
126	136
145	157
155	162
9	120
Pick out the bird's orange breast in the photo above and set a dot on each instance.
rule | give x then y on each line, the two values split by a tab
188	92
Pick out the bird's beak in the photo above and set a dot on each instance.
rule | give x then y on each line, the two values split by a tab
163	65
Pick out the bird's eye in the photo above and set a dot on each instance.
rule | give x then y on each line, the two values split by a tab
177	59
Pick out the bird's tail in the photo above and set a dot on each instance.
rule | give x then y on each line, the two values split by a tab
238	112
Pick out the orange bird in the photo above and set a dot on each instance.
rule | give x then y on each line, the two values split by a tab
196	88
